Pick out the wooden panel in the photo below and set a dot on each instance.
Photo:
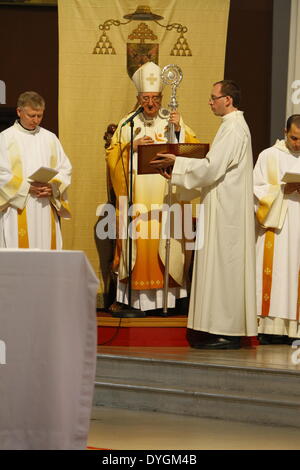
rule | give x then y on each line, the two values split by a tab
29	55
249	63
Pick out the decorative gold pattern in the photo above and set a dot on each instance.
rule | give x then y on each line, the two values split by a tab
147	283
181	47
142	33
104	45
152	79
22	233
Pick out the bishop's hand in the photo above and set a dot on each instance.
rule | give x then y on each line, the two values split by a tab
175	119
146	140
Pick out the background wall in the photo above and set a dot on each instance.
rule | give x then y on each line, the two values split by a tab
29	58
249	63
29	55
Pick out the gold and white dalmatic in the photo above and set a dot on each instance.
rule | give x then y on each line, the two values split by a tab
223	285
27	221
278	242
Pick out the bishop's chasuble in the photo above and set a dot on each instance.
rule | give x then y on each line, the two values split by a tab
149	194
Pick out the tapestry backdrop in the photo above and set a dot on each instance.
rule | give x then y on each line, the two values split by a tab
101	43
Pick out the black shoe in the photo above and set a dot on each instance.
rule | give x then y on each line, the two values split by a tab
156	312
220	342
265	339
195	337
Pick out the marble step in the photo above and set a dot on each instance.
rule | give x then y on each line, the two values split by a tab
271	409
197	376
223	391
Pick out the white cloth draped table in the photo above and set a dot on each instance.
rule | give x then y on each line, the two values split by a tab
48	326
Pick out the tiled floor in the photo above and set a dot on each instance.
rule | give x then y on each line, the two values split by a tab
117	429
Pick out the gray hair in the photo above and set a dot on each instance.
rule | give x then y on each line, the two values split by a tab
32	99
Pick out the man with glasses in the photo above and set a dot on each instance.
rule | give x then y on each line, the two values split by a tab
150	126
222	304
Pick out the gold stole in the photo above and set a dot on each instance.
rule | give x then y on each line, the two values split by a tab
267	275
269	243
267	271
268	257
298	301
23	231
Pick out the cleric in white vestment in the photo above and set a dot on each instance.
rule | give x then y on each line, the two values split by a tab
30	209
278	237
223	294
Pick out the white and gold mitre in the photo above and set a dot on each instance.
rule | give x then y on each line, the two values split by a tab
148	78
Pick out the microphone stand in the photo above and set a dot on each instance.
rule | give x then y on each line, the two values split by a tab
128	311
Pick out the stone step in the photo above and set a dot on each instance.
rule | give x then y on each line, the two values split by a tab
255	395
200	375
238	407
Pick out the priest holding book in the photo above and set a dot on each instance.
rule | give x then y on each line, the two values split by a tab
222	305
277	192
34	176
151	126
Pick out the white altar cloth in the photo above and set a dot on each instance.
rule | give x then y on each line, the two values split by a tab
47	349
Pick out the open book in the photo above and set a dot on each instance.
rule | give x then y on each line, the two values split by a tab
290	177
146	153
43	175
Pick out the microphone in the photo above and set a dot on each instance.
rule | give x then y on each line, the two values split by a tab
138	111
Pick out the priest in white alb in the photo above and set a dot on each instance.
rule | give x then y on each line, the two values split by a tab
30	209
222	302
277	192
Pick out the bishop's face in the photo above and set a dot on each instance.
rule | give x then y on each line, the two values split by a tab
30	118
292	139
151	102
